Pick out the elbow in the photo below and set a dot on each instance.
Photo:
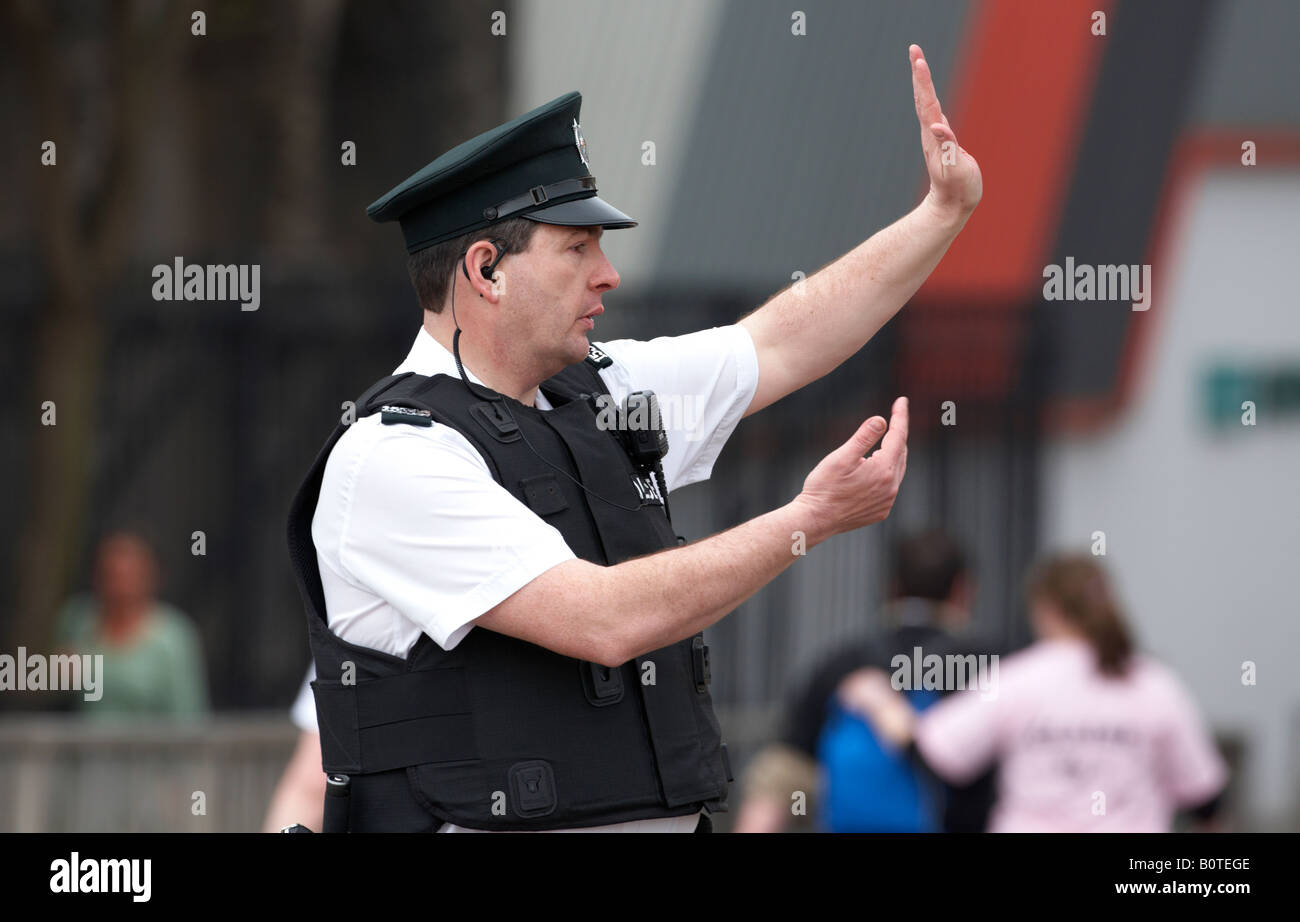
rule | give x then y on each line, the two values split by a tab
611	643
605	628
608	649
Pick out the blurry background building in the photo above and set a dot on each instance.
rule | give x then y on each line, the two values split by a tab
749	155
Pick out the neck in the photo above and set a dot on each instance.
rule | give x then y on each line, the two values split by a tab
119	620
480	356
1057	629
916	610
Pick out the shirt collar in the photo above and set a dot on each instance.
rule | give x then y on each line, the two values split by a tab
430	357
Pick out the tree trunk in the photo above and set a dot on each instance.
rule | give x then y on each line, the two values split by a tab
83	235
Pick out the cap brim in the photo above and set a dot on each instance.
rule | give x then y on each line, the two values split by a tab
586	212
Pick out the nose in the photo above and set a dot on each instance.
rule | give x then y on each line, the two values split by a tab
606	277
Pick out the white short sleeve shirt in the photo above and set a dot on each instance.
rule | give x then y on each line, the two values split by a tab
413	535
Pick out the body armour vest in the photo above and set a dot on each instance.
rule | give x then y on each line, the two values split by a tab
499	733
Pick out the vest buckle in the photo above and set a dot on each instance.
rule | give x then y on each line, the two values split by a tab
700	656
533	786
603	685
495	420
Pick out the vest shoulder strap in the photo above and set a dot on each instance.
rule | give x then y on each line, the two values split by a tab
400	398
578	379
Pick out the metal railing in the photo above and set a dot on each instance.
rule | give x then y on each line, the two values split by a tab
67	774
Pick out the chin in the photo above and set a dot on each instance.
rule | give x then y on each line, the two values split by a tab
579	351
570	354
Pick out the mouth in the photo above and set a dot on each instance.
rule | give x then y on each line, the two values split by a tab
588	320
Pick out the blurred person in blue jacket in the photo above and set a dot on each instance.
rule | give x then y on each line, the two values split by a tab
853	781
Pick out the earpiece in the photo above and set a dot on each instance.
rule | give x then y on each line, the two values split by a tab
465	269
489	269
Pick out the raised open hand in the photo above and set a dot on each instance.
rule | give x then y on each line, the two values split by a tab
955	181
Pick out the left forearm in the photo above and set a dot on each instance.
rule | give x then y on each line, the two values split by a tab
809	329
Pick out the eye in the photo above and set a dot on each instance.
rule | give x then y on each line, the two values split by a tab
579	247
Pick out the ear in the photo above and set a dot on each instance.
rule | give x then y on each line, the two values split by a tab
475	263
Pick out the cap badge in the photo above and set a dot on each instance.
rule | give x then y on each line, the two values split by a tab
581	144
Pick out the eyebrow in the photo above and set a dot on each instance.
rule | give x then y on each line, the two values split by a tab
585	232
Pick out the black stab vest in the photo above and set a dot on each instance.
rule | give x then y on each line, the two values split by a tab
499	733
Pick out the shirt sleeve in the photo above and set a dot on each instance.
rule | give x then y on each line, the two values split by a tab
1192	769
425	527
958	735
704	381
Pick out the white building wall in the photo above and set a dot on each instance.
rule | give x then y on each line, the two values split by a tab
1202	525
648	60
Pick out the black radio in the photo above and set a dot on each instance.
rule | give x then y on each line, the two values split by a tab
641	429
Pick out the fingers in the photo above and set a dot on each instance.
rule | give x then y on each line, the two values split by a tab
928	109
860	442
895	442
942	132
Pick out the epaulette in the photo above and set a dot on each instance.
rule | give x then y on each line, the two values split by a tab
410	415
597	358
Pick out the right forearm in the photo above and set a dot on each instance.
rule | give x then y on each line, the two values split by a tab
662	598
611	614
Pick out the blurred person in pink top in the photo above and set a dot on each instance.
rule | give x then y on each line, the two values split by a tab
1090	735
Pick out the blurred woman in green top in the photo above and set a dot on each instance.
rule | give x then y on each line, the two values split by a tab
153	658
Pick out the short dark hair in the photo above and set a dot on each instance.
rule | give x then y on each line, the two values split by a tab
926	565
432	268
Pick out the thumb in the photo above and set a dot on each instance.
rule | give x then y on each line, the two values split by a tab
868	434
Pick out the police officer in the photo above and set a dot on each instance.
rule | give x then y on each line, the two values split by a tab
506	632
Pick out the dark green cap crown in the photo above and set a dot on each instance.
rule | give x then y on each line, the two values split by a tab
532	167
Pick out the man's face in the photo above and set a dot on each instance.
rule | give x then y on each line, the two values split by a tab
551	296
